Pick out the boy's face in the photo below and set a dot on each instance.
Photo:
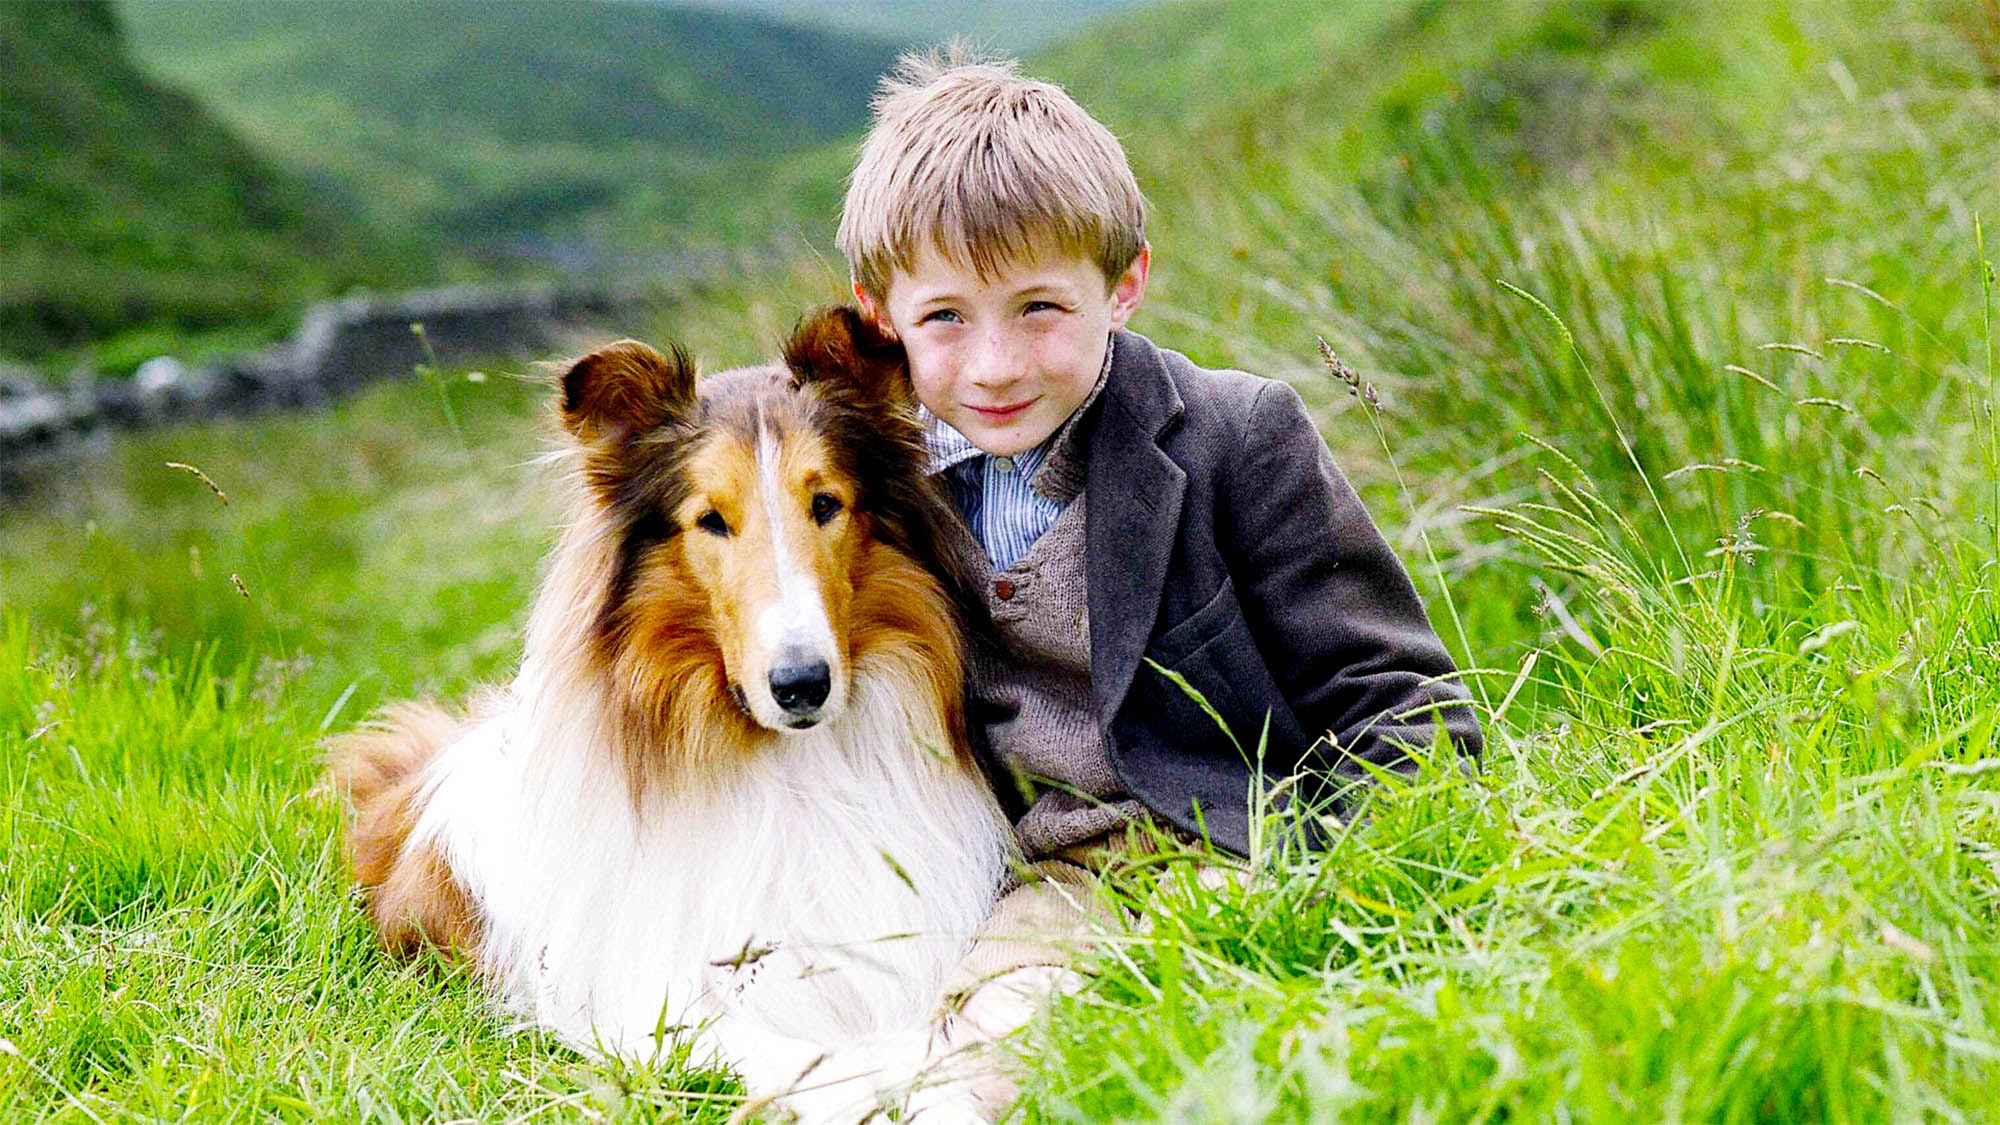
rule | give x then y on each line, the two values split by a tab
1007	359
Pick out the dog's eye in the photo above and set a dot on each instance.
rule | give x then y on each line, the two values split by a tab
713	523
825	507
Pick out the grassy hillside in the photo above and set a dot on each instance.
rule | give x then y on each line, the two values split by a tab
1687	207
613	127
1681	320
127	204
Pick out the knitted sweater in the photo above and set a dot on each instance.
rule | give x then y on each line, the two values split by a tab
1034	680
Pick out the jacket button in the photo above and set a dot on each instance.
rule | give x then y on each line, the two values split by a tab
1003	589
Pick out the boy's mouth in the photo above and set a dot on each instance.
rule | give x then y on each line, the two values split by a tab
1000	413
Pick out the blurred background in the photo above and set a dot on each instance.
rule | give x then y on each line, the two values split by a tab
221	218
185	175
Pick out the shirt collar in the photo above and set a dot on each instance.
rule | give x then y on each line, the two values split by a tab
948	447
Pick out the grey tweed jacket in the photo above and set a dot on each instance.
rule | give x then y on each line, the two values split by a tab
1224	545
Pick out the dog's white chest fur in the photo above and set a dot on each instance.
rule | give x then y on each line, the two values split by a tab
821	891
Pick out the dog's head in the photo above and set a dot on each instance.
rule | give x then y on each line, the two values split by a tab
755	519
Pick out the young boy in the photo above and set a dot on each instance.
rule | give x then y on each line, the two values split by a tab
1127	509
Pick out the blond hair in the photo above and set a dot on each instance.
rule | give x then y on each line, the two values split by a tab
985	166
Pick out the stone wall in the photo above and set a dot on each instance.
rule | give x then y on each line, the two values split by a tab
339	347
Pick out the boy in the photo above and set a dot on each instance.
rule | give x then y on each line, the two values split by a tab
1126	509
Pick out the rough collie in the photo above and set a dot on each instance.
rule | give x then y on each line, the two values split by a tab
728	793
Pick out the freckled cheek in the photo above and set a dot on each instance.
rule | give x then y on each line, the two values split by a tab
1054	356
932	381
1079	353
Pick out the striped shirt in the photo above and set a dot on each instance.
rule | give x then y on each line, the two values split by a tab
1005	500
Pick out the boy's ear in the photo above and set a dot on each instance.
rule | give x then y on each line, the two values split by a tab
871	309
625	388
838	346
1129	288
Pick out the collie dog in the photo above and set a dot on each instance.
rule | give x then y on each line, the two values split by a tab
728	794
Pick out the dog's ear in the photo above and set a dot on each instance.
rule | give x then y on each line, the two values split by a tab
623	389
838	346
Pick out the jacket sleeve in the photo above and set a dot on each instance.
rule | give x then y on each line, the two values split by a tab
1333	612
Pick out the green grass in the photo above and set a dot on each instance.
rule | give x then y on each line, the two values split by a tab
361	515
1733	867
1734	852
179	939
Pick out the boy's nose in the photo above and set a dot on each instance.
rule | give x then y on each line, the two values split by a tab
995	363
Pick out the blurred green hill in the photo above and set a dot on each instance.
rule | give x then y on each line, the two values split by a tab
540	129
319	146
123	202
1013	25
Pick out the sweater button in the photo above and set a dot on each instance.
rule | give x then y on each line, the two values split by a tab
1003	589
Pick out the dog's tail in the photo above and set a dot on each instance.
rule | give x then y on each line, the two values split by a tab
412	897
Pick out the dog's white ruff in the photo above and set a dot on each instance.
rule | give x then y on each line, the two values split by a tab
799	914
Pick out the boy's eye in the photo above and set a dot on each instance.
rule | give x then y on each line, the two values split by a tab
941	316
1042	306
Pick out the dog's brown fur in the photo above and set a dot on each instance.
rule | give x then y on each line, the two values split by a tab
412	899
633	614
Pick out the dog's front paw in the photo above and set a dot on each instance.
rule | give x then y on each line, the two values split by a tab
839	1103
964	1087
814	1088
957	1107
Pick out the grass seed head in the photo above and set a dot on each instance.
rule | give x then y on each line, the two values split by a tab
1750	375
1352	380
203	477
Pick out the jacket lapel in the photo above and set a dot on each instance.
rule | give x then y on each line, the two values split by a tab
1134	515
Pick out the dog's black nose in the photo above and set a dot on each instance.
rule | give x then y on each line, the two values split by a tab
800	688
